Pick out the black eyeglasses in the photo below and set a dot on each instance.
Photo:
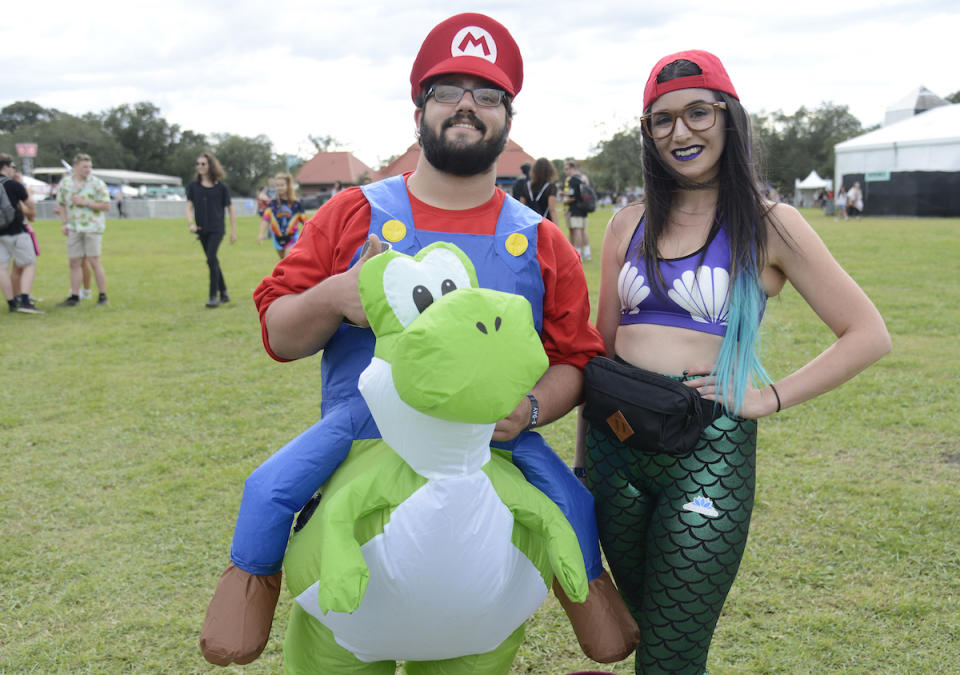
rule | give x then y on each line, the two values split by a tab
484	97
697	116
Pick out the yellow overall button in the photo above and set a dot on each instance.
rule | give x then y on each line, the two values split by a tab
517	244
394	230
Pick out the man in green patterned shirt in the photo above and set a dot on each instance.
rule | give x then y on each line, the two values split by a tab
84	202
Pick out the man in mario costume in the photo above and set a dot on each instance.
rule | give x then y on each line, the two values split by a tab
463	83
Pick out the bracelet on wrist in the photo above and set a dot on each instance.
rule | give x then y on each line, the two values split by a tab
534	411
778	397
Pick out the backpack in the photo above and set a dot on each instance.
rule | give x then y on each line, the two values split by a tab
588	197
7	213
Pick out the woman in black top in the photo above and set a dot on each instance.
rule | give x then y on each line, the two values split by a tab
207	198
543	191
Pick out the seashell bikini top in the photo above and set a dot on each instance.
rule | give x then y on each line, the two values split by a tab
697	286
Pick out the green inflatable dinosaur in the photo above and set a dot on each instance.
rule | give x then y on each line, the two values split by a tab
427	547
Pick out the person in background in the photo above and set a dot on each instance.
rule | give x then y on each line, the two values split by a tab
208	199
521	186
284	217
542	189
577	220
84	201
266	193
855	201
685	277
16	244
841	203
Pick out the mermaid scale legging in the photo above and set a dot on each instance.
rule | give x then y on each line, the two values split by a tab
674	566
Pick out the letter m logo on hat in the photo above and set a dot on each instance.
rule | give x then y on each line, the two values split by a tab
474	41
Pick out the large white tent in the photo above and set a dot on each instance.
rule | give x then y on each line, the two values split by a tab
805	191
911	167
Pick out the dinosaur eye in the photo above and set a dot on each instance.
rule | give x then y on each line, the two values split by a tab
422	298
410	286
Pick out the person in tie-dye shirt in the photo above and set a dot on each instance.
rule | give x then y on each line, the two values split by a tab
284	217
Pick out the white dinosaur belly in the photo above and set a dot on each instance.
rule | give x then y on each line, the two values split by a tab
445	579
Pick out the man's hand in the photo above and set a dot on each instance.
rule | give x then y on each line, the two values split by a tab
510	427
300	324
350	306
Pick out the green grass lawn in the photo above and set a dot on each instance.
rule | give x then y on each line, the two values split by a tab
127	431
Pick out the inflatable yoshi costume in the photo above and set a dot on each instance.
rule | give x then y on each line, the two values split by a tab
427	546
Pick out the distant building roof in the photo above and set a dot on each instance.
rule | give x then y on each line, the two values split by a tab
116	176
508	164
330	167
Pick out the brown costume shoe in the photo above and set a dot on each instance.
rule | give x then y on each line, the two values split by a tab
603	625
239	617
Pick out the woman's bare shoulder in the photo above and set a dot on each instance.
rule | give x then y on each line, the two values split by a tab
625	221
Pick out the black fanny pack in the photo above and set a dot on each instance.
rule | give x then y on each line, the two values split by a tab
643	409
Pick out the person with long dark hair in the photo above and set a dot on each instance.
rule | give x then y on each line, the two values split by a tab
684	282
543	191
208	198
284	217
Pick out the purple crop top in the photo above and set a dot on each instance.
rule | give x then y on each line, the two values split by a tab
697	287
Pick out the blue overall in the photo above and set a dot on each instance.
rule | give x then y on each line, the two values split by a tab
282	485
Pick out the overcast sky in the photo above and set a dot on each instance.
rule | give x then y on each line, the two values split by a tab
288	69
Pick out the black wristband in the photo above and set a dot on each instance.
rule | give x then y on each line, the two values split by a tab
778	397
580	471
534	411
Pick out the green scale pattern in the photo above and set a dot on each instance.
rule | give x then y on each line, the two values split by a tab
673	566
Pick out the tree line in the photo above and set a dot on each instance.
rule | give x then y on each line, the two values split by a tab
135	136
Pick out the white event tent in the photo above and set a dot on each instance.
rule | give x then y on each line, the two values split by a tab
911	167
805	191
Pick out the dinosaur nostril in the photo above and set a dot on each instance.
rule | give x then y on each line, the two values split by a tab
481	327
498	323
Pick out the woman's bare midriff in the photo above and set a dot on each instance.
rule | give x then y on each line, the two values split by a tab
667	349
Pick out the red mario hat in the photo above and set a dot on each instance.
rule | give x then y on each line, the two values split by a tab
472	44
713	76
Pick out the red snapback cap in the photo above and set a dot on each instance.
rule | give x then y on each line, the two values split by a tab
472	44
713	76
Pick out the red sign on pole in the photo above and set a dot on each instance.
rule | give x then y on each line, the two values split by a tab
27	149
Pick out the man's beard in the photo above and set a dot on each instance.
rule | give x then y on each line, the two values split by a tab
459	159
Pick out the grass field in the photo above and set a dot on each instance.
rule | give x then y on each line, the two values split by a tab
126	433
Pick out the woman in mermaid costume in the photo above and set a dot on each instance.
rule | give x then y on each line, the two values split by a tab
685	278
